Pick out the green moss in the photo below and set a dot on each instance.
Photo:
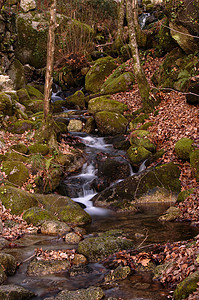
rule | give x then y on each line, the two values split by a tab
16	199
98	72
120	84
137	155
187	286
139	119
110	123
39	148
36	216
13	156
17	173
184	147
194	161
21	126
184	195
23	96
146	125
20	148
105	103
34	93
118	71
6	107
77	98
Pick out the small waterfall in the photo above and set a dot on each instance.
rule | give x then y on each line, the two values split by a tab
142	19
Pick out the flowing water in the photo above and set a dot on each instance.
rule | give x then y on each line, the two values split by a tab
137	286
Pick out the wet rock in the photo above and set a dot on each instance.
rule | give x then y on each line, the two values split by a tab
9	263
184	147
17	200
46	267
119	273
11	291
187	286
98	72
54	227
72	238
37	215
79	260
156	184
171	214
110	123
66	209
96	248
3	276
105	103
75	125
72	161
91	293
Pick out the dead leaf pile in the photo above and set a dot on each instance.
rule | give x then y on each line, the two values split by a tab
68	254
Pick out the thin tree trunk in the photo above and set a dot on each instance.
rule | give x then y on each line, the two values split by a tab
138	71
120	29
50	59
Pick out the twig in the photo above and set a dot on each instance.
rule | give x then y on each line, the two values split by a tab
139	246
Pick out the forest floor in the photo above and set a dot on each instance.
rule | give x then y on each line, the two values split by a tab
175	119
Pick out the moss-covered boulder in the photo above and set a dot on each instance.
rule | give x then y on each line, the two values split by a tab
140	138
187	286
184	147
53	227
160	184
119	273
98	72
120	84
110	123
20	148
9	263
3	276
17	200
21	126
77	99
194	161
96	248
105	103
12	291
17	173
6	105
72	161
46	267
89	127
14	156
171	214
37	215
34	93
50	180
23	96
115	74
182	196
137	154
36	106
39	148
66	209
16	73
91	293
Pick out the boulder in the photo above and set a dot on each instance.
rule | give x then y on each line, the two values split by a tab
14	156
66	209
53	227
72	238
187	286
27	5
110	123
46	267
98	72
9	263
23	97
75	125
6	83
20	148
170	214
39	148
77	99
141	138
16	73
105	103
97	248
160	184
137	155
17	173
3	276
119	273
120	84
194	161
12	291
37	215
91	293
21	126
6	105
184	147
17	200
34	93
182	196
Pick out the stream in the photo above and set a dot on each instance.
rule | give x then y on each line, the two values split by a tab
81	189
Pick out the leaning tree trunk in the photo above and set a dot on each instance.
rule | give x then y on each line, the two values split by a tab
138	71
50	59
120	28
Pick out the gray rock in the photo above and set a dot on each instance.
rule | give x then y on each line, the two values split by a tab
54	227
11	292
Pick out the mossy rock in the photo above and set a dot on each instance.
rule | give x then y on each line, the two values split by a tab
12	291
182	196
3	277
184	147
105	103
72	161
139	119
194	161
6	106
13	156
21	126
119	273
171	214
97	248
146	125
77	99
23	96
116	73
110	123
120	84
137	188
39	148
20	148
17	173
139	138
16	73
187	286
9	263
66	209
89	127
75	125
91	293
34	93
47	267
98	72
49	183
16	200
137	154
37	215
36	106
53	227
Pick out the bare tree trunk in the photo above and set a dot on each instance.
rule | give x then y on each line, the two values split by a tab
138	71
50	59
120	29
